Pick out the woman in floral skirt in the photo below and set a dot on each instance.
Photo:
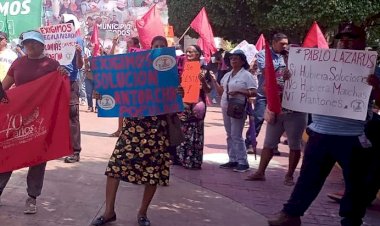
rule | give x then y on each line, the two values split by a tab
190	152
140	157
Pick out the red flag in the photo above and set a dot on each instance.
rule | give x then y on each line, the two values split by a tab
260	43
95	41
35	123
207	53
202	26
271	87
315	38
149	26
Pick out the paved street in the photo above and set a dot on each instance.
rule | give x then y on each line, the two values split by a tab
73	194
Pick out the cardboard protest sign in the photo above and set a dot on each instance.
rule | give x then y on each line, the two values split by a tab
137	84
329	82
35	123
190	81
17	16
249	50
60	42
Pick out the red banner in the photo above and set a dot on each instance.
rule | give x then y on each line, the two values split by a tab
35	123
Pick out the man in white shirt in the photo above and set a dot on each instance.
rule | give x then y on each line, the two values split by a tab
7	56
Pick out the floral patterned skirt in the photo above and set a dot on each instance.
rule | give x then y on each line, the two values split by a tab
140	155
190	153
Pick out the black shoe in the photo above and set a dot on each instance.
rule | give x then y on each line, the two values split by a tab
72	158
241	168
228	165
102	221
143	221
276	152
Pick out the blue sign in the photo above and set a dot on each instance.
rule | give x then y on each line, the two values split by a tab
137	84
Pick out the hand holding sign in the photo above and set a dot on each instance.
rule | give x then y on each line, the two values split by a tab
191	81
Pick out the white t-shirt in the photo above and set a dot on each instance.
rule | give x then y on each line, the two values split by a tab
7	57
242	81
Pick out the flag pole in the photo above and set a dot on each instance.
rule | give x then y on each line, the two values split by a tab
183	35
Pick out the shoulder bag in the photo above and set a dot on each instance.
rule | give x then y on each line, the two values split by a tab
236	107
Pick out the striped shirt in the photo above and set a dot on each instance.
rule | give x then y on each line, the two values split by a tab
331	125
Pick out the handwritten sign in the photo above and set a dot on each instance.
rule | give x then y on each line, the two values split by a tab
190	81
60	42
137	84
329	82
249	50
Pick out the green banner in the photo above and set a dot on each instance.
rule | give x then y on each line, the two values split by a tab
17	16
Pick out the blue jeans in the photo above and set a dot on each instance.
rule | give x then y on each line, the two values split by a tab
235	142
321	153
89	84
82	92
258	112
213	93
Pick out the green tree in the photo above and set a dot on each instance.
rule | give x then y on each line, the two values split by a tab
247	19
230	19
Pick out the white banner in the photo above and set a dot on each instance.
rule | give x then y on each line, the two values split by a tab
249	50
329	82
60	42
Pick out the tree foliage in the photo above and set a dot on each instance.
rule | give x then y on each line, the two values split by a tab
247	19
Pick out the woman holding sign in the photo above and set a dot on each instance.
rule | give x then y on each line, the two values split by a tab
140	157
190	152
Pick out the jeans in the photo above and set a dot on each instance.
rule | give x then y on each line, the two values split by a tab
321	153
35	179
89	85
82	91
235	143
258	112
213	93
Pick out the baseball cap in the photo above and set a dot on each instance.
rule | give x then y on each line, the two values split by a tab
348	29
33	35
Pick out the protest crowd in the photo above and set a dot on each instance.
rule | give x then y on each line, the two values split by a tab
159	93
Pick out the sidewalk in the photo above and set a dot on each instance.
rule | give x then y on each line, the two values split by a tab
73	194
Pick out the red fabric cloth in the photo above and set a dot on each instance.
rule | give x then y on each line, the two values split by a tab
35	123
206	41
271	88
260	43
24	70
315	38
95	41
150	26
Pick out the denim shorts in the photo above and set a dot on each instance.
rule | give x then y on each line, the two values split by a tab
293	123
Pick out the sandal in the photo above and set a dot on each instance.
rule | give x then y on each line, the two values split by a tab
102	221
289	181
256	177
143	221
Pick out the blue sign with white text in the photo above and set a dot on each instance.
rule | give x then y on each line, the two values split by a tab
137	84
